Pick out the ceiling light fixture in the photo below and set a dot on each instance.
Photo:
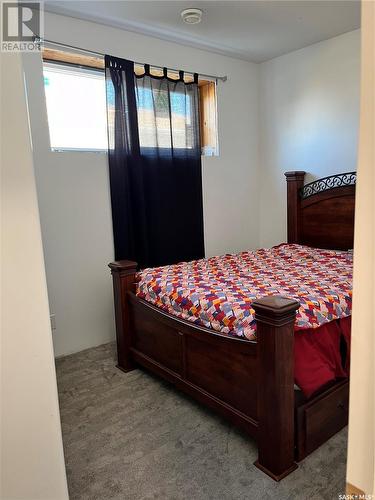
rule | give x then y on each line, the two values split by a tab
192	16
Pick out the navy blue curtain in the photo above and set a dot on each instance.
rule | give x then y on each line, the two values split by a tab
154	165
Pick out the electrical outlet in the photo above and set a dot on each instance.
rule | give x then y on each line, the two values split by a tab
53	321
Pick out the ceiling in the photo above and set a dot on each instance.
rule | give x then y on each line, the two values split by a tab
250	30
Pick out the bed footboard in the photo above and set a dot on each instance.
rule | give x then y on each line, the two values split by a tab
123	276
275	316
250	383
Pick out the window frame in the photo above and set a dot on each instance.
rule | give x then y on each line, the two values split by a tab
76	70
208	113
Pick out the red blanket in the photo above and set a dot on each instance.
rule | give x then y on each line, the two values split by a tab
322	355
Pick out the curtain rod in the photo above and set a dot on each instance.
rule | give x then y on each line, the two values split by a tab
43	40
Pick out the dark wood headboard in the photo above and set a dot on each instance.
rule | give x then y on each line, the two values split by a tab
321	214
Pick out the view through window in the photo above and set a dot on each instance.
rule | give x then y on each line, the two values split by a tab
76	108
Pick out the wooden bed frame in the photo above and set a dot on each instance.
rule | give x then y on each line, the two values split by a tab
221	371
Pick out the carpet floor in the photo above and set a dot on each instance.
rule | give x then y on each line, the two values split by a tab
132	436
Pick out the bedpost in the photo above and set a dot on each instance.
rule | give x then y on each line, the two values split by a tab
275	316
123	275
294	184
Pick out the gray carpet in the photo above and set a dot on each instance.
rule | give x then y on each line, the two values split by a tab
132	436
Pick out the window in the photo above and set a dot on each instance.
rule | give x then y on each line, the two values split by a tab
76	104
208	118
160	101
76	107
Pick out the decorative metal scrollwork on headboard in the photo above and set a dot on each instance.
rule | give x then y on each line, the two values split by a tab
333	181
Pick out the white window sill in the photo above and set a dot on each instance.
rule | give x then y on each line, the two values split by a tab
105	151
78	150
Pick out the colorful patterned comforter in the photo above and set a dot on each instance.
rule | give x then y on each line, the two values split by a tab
217	292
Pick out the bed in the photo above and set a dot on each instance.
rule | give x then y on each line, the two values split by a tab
248	380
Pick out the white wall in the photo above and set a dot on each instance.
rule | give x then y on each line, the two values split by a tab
73	188
74	201
309	112
361	445
32	461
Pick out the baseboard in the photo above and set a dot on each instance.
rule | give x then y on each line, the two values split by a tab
354	491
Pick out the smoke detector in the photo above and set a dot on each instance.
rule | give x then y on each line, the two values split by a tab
192	16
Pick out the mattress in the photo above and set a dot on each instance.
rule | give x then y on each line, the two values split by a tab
218	292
